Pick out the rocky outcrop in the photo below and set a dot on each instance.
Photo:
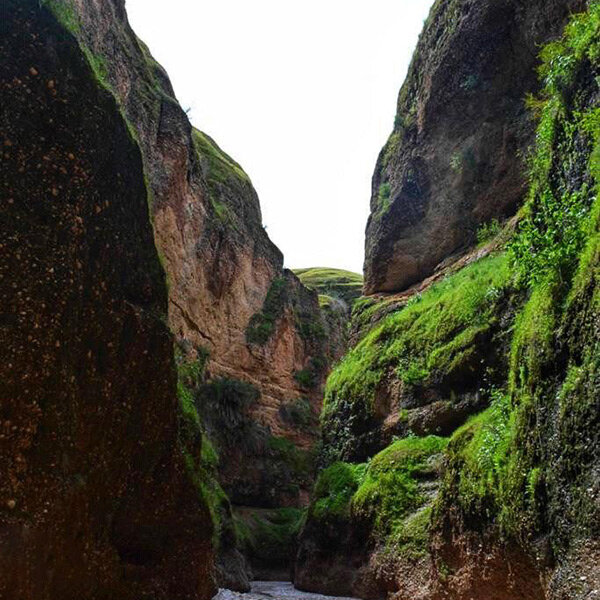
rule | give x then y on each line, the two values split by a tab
455	158
95	500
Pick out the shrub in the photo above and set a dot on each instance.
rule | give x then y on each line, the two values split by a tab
298	413
488	231
334	489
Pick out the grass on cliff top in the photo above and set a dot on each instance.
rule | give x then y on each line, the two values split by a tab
221	165
332	282
434	333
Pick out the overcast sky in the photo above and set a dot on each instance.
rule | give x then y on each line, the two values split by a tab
301	94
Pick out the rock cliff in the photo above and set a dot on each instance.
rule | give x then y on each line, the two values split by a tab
252	346
229	296
95	499
454	159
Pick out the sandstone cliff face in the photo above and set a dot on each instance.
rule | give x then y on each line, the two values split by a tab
454	159
95	501
461	431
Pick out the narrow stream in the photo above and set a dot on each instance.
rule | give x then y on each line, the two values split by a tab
272	590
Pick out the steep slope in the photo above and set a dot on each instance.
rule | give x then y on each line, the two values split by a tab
95	501
454	158
490	379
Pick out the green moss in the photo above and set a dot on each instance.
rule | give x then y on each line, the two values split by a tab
223	178
65	13
393	144
431	336
222	211
533	335
384	495
334	490
477	458
220	166
390	490
410	537
383	196
200	457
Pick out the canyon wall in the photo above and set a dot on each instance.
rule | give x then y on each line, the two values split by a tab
460	432
95	498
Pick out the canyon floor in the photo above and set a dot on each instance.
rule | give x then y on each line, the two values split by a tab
276	590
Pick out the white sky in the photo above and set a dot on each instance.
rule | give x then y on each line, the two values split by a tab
301	94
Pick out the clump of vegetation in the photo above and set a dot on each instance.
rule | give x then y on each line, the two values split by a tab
262	325
384	194
224	405
286	452
268	537
298	413
309	377
200	456
393	144
309	326
488	231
